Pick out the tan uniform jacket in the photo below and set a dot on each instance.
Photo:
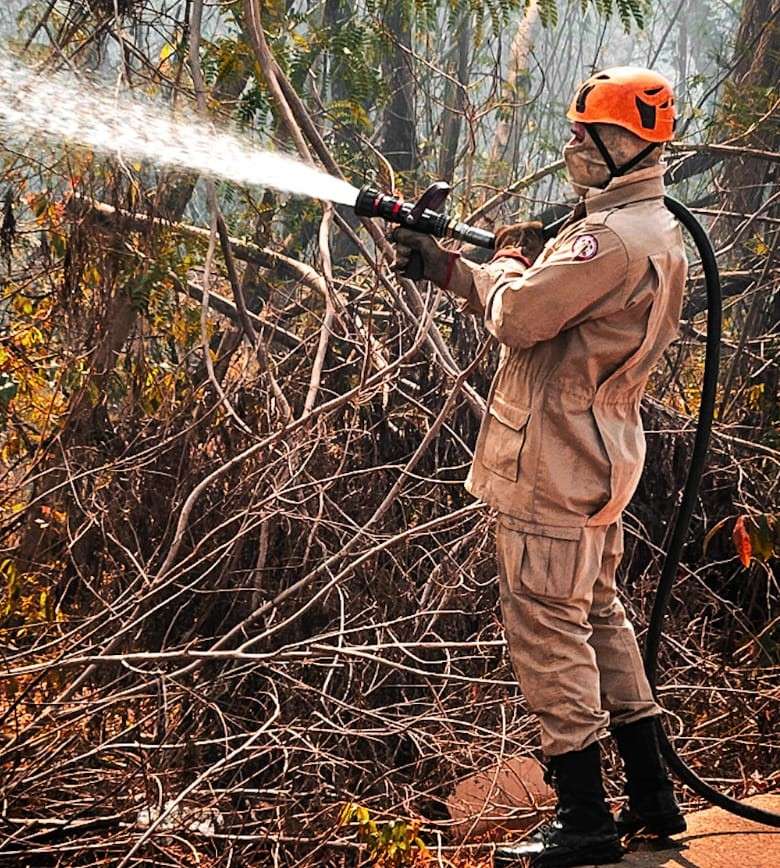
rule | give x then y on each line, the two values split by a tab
562	442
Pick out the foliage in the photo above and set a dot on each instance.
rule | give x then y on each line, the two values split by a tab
388	844
628	11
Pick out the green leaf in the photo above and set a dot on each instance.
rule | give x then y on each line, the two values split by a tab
548	12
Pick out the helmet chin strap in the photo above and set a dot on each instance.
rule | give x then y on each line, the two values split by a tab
616	171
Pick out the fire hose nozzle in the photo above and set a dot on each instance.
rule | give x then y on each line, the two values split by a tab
423	216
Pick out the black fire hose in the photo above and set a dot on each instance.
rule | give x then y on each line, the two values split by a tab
424	216
683	519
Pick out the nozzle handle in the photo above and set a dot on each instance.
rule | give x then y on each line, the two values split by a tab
415	267
431	200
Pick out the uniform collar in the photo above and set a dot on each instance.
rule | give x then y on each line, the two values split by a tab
636	186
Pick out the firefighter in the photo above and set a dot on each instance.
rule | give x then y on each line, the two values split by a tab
581	321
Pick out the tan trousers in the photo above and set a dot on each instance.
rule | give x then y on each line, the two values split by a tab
572	648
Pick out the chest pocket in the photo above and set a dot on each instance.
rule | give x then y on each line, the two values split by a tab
504	437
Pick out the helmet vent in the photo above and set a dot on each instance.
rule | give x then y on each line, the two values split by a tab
582	96
646	114
653	91
602	77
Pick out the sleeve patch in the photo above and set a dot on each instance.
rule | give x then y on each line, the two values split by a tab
585	247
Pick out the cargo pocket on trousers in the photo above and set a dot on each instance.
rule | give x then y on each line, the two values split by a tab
504	438
547	565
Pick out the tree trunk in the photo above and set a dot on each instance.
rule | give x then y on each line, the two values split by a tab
682	57
455	99
399	141
750	114
507	138
749	96
335	15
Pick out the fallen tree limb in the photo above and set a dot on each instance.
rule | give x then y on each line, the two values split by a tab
246	251
725	150
693	160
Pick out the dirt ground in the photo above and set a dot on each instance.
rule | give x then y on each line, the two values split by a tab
716	839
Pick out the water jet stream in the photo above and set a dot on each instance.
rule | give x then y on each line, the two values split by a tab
62	107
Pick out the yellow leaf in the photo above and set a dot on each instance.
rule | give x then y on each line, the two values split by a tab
346	814
23	304
761	532
760	247
43	605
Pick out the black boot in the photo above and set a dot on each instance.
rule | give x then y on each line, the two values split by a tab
652	806
583	831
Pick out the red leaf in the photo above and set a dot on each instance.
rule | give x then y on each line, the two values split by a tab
742	541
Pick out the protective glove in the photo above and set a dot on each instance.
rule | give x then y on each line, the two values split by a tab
443	267
520	239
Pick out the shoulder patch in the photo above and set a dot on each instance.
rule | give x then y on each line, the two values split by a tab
585	247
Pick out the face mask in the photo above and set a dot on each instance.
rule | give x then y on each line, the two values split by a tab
584	166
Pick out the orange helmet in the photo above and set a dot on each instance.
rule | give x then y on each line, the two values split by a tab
637	99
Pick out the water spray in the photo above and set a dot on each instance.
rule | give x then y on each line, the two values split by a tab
62	107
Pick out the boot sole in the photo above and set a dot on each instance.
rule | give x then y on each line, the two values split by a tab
600	854
606	854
